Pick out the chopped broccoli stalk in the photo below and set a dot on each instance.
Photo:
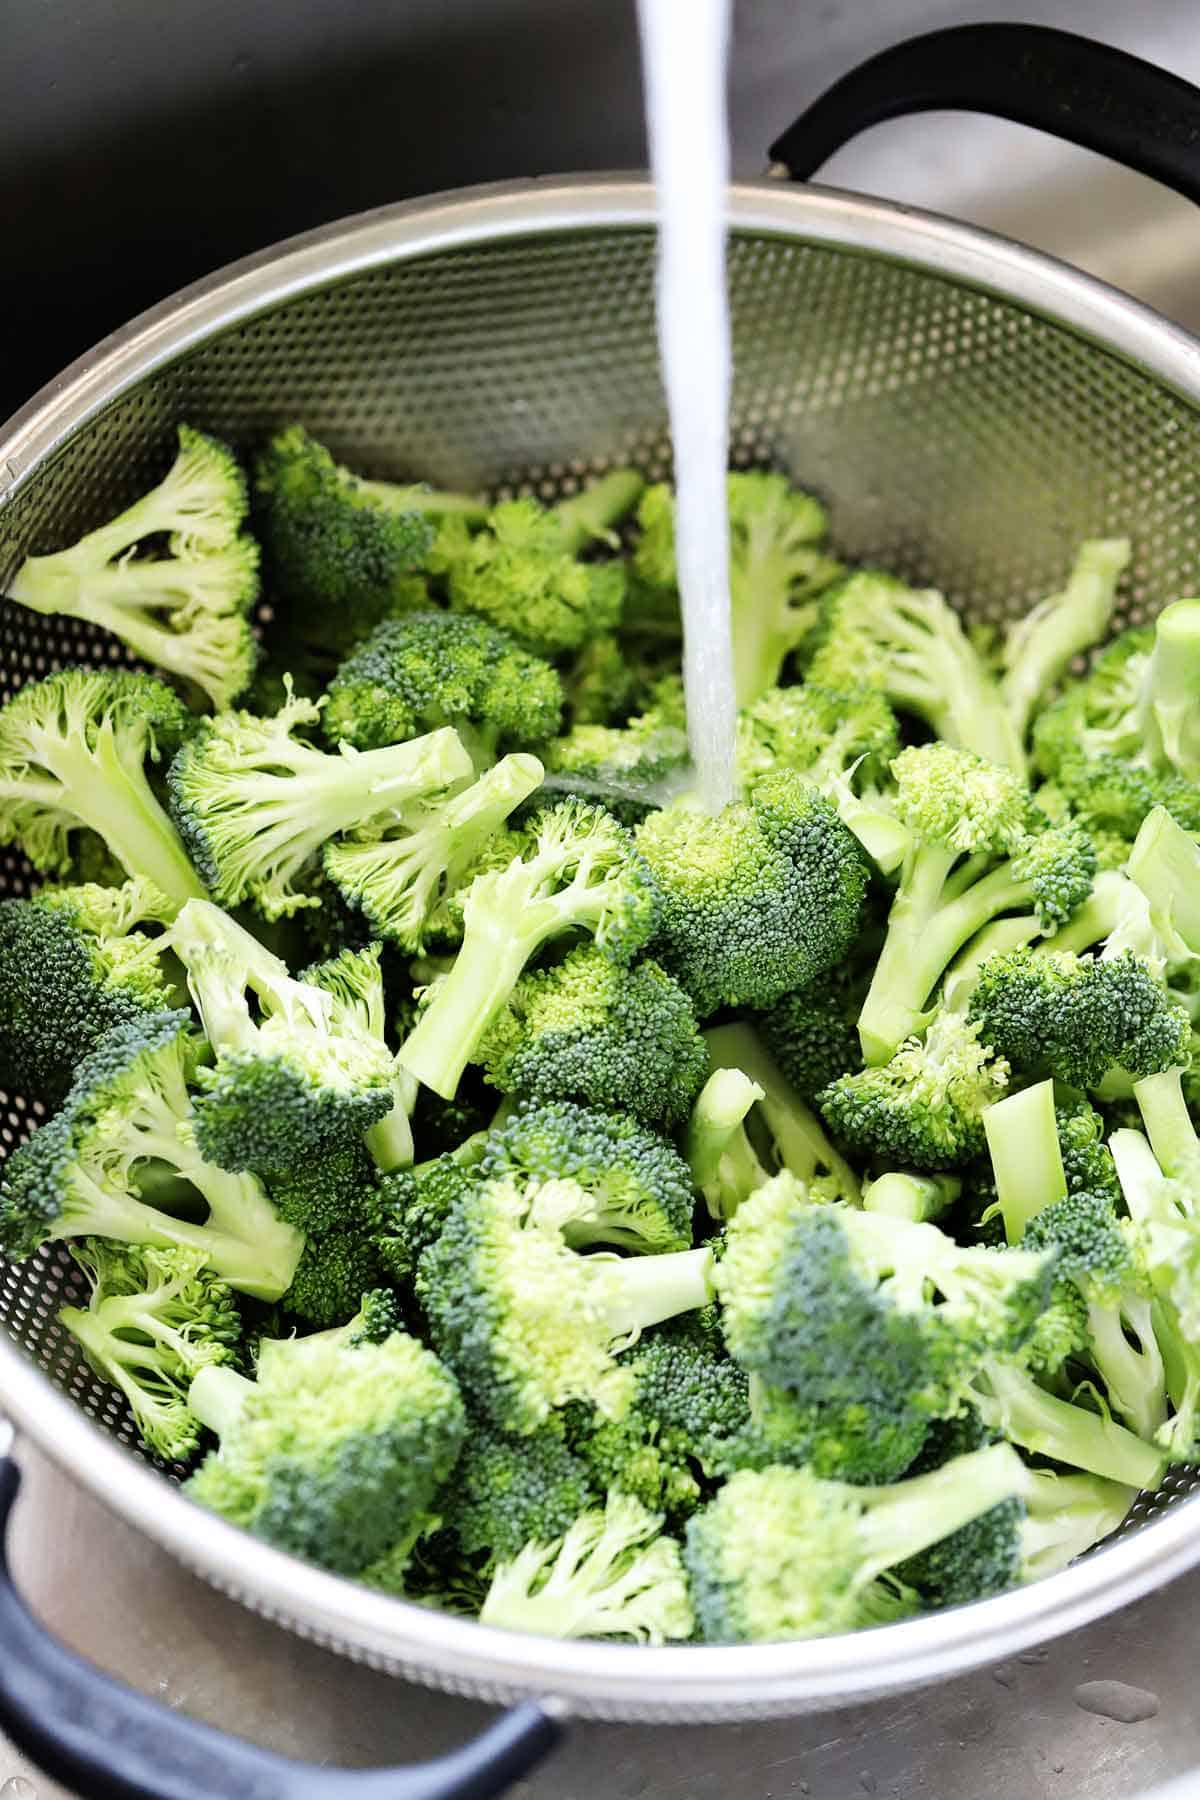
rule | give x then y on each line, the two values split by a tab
633	1190
1064	1516
911	644
255	803
792	1135
1169	1123
1022	1140
73	754
781	1554
722	1159
973	857
528	1324
73	962
1164	863
129	1105
429	669
187	610
914	1198
1009	1400
402	874
1170	715
336	1451
154	1319
1039	648
610	1575
586	1029
576	869
522	570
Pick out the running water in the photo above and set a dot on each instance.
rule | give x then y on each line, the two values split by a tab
684	49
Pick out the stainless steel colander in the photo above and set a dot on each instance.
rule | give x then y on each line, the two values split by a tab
969	409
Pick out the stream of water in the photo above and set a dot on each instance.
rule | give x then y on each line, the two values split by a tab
684	49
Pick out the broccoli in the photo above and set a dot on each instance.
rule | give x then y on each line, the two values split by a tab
1011	1403
508	1491
1126	738
973	857
428	669
609	1575
73	753
336	1268
757	901
631	769
402	873
187	610
1039	647
576	869
336	1451
631	1188
782	1554
601	683
724	1163
841	1306
334	1192
585	1029
813	1033
926	1106
1091	1022
911	645
915	1198
528	1324
863	1441
154	1319
128	1105
341	551
522	570
73	962
413	1205
255	803
776	569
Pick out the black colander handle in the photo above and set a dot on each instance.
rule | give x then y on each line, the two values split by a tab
1090	94
106	1742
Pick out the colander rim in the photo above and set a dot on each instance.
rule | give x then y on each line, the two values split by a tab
681	1682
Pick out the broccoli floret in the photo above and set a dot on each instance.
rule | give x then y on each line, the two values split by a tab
601	682
255	803
1039	647
402	873
154	1319
509	1491
522	571
73	962
776	568
129	1105
1078	1018
187	610
329	1192
760	899
610	1575
428	669
632	1189
584	1029
691	1389
433	1573
925	1107
336	1451
782	1554
528	1324
864	1441
813	1034
841	1306
337	1267
343	552
631	768
910	643
576	869
631	1455
73	753
311	1074
413	1206
973	857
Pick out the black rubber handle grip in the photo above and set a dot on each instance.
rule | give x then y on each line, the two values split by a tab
1087	93
106	1742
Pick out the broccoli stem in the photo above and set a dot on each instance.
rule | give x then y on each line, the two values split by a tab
1010	1401
918	1199
465	1002
640	1291
903	1518
395	497
1130	1363
116	800
390	1140
1168	1122
602	504
1064	1516
1039	648
798	1138
1170	709
1022	1140
1165	864
217	1396
722	1160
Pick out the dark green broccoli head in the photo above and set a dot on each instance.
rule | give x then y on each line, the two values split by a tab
863	1442
1078	1017
434	668
587	1030
329	1192
601	682
979	1559
509	1491
634	1189
760	899
1086	1159
1092	1249
333	548
813	1033
334	1272
413	1205
522	573
277	1112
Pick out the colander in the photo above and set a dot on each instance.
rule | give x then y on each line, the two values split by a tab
970	410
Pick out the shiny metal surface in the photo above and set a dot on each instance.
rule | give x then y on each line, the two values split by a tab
969	408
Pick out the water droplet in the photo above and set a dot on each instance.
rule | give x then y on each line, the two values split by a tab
802	1787
18	1787
1033	1656
1005	1675
867	1782
1116	1700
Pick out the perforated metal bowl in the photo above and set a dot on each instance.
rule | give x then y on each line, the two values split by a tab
969	410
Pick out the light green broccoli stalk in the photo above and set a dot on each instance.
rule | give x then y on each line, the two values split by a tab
1040	646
